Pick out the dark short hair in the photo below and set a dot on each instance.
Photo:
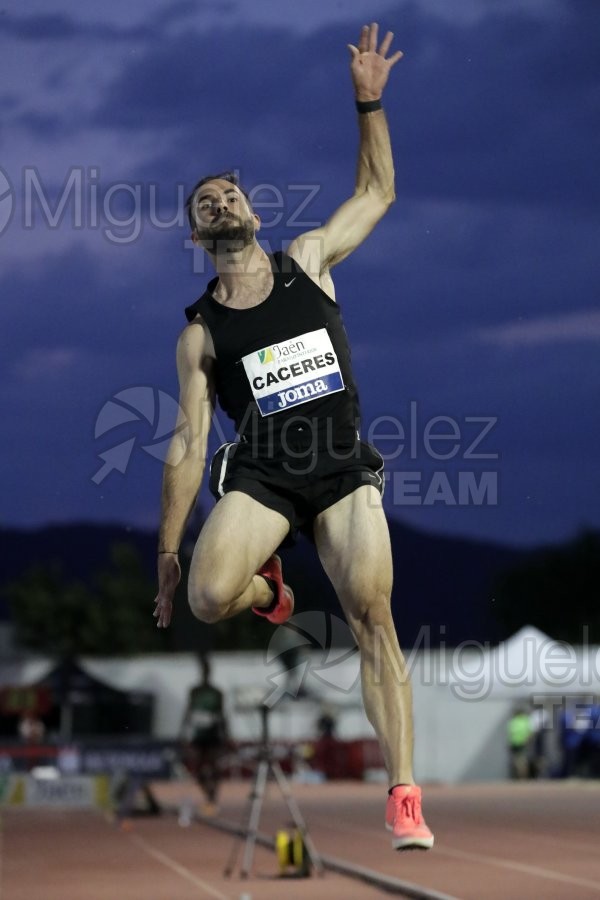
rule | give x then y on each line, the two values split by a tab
231	177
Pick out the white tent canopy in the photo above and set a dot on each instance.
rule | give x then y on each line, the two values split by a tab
463	696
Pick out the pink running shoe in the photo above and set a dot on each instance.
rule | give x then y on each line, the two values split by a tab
282	606
404	818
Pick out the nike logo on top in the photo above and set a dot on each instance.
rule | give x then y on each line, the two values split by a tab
287	283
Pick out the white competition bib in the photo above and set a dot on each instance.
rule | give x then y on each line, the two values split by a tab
293	372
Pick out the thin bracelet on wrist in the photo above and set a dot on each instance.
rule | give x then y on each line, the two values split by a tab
367	106
168	552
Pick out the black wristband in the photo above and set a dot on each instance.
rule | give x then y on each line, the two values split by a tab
367	106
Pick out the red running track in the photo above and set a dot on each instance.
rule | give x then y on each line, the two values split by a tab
508	841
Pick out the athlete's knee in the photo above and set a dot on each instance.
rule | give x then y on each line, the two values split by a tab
208	603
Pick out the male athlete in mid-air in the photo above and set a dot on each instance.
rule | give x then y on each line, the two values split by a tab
266	339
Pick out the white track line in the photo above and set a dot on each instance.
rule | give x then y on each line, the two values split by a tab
500	862
176	867
537	871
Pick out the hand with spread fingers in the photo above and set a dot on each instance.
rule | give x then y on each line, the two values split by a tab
370	67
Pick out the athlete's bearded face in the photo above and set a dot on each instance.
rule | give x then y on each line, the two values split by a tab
223	217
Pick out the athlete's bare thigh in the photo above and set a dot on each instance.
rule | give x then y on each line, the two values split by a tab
237	538
353	542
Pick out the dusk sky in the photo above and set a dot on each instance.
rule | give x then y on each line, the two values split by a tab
475	299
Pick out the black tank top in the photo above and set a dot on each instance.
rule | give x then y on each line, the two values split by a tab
283	362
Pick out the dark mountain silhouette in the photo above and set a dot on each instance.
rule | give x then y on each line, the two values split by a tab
80	548
441	583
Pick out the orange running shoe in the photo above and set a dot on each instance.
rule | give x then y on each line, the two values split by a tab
404	818
282	607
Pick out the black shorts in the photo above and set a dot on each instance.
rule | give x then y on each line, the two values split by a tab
299	486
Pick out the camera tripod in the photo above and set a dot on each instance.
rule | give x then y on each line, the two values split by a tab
267	765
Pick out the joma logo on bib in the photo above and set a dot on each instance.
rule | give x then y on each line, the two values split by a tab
293	372
301	393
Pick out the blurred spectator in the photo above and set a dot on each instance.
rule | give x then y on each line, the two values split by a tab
204	735
31	729
580	739
329	752
594	739
519	736
540	722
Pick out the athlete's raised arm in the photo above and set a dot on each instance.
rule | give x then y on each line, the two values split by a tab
184	465
316	251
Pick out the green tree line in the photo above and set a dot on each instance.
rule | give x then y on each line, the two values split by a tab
110	613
